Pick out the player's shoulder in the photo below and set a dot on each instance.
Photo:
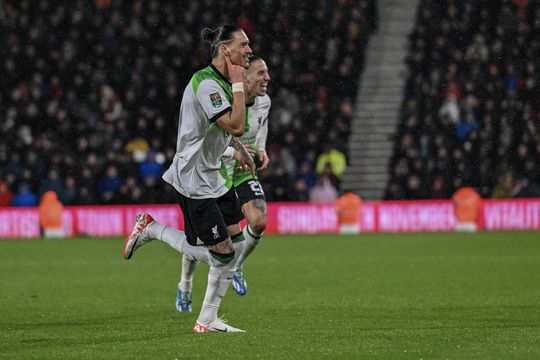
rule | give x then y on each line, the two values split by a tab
202	74
264	101
206	79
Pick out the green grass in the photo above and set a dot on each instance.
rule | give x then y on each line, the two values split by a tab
430	296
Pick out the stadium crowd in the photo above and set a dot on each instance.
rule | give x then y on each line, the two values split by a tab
470	115
90	92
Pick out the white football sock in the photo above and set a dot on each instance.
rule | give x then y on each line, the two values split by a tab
188	269
177	240
250	244
219	279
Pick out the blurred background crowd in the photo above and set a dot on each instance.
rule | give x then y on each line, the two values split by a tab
90	92
470	114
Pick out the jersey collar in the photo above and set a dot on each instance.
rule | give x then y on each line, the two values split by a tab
220	74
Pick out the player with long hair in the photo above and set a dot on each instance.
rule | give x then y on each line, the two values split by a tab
247	186
212	113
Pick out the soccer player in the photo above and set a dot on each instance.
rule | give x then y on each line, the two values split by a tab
211	113
247	187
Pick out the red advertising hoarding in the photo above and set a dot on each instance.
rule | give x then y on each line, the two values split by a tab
287	218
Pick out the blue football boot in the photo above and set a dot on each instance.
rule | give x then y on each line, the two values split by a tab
183	301
239	282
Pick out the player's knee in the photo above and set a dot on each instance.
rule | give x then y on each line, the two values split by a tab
222	253
258	225
257	222
256	215
221	260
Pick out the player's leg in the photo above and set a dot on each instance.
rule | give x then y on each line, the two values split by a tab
223	251
256	215
203	222
254	208
232	215
219	277
204	238
221	254
147	229
183	296
189	265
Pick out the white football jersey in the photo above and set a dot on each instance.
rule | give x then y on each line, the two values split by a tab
255	134
197	170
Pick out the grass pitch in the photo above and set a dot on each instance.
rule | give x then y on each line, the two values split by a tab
429	296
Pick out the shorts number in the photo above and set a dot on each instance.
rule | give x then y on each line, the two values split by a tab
256	187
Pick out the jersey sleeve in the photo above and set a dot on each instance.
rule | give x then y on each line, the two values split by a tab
213	100
229	153
260	141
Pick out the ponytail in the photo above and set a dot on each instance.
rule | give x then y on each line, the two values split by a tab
221	34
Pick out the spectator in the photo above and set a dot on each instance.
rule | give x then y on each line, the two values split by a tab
69	196
301	191
109	184
150	168
6	196
524	188
484	76
306	175
324	191
450	109
333	157
52	183
277	185
328	172
466	126
111	87
25	196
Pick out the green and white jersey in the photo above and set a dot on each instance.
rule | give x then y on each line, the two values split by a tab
197	171
255	133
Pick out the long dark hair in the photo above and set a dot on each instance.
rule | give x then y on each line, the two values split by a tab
221	34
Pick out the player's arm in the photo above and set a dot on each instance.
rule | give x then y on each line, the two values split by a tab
260	141
234	121
242	155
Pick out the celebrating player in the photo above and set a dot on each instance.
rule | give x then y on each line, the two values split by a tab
212	112
248	188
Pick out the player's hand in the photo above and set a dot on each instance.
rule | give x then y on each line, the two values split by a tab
246	161
236	72
250	149
263	158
